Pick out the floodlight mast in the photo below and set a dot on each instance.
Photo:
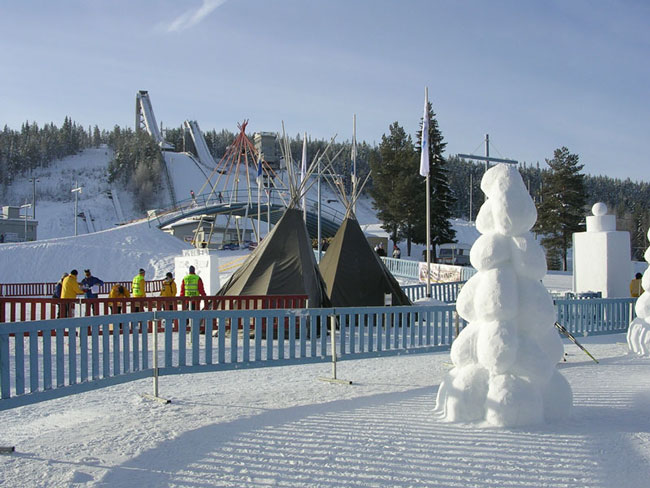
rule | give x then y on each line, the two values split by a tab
487	160
76	192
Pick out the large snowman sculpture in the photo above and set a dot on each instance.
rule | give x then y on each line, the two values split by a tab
638	334
505	359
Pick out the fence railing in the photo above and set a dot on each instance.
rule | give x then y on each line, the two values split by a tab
52	358
47	289
595	315
45	359
405	268
443	292
29	309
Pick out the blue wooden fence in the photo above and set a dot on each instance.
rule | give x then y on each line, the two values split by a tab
596	315
443	292
47	359
405	268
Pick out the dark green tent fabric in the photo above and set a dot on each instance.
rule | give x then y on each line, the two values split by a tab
354	274
282	264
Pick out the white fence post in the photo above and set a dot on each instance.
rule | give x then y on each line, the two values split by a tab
334	379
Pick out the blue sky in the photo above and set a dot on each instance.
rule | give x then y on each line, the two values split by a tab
535	75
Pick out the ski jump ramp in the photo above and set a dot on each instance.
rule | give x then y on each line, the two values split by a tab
144	118
202	151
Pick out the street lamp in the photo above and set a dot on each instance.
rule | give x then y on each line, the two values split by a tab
33	181
76	192
26	206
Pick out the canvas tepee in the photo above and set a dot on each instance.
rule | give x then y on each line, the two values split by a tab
354	274
284	262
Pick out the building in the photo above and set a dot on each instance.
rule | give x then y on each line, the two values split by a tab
214	237
266	143
17	228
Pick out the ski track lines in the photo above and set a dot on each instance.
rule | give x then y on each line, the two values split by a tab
292	431
386	442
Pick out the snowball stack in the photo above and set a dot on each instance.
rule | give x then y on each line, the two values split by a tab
505	360
638	334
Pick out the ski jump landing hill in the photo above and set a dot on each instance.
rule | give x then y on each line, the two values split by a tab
184	172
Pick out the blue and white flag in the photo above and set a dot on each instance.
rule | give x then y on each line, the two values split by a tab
424	156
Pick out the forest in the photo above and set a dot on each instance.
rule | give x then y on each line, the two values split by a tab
137	164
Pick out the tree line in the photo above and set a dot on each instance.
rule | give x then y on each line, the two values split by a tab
562	193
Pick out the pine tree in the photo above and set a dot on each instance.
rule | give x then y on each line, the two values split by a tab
442	199
390	188
563	206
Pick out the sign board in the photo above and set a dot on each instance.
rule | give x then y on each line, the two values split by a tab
439	273
206	264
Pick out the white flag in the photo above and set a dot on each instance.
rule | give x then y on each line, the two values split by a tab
303	169
424	156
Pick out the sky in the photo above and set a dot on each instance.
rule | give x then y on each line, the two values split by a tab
533	75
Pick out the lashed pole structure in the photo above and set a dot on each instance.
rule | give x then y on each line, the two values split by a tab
238	165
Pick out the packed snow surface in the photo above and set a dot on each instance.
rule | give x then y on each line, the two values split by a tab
282	427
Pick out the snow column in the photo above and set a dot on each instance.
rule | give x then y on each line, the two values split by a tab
638	333
505	359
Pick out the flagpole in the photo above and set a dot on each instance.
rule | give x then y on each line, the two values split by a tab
303	171
428	239
354	163
425	171
259	197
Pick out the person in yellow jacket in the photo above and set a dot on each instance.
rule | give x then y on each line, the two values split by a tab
118	291
70	289
138	288
636	290
168	286
168	290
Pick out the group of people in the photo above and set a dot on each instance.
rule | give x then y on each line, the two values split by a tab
68	287
397	252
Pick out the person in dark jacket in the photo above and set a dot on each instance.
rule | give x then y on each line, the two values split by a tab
88	282
58	286
57	294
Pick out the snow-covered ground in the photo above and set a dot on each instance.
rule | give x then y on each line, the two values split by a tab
283	427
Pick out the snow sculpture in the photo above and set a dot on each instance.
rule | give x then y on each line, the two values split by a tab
504	361
601	256
638	333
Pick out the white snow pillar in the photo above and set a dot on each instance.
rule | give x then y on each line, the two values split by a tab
601	256
206	265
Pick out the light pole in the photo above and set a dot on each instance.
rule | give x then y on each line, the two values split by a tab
26	206
76	192
33	181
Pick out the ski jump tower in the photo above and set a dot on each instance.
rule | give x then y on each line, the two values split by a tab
145	119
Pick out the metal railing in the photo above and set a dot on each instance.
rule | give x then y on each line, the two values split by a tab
29	309
47	289
53	358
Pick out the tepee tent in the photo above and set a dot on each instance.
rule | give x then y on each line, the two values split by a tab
353	272
284	262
